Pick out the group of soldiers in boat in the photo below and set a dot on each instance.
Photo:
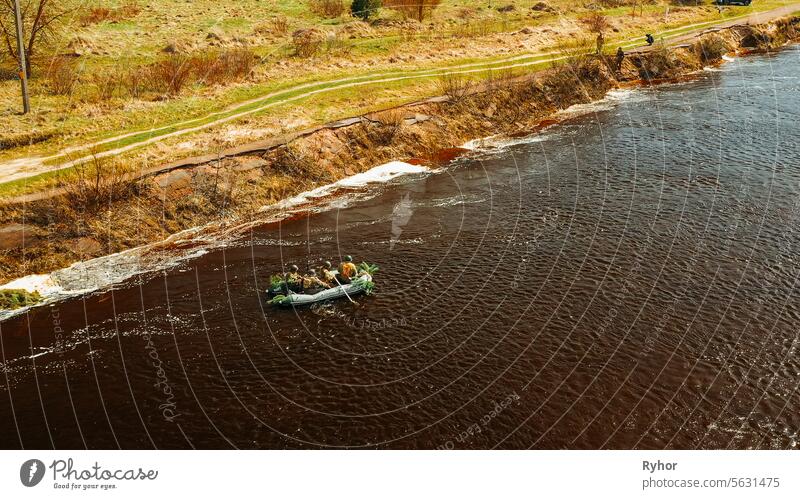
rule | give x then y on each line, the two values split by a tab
325	278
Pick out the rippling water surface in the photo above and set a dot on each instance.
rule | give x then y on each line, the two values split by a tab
626	279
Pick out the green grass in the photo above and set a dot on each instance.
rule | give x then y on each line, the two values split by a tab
200	107
12	299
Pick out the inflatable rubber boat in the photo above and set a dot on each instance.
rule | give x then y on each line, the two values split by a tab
361	285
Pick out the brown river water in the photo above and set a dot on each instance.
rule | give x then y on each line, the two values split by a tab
625	279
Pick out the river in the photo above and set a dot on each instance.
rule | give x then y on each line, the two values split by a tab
624	279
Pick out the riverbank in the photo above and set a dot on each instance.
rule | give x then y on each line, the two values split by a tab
107	213
391	60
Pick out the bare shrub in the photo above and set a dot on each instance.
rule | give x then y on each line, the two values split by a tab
62	75
204	66
280	25
26	138
89	186
138	81
219	68
238	63
657	63
172	73
277	26
454	86
336	44
106	84
307	42
563	82
391	124
711	48
413	9
97	15
328	9
290	160
497	80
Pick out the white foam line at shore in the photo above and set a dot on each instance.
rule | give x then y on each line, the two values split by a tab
612	99
40	283
101	272
379	174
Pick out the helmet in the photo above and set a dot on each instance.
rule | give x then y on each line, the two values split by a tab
327	265
312	272
293	268
348	258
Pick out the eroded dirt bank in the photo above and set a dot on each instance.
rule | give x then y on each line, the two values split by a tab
105	214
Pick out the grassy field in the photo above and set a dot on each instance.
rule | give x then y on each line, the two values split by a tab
360	67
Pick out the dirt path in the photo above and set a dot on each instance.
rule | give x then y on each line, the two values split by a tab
756	18
28	167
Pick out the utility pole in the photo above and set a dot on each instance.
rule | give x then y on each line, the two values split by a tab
23	67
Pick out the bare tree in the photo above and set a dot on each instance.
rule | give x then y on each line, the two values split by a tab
414	9
40	19
597	24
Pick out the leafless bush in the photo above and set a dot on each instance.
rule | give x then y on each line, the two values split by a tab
237	63
327	8
565	80
290	160
657	63
106	85
172	73
413	9
391	124
26	138
138	80
335	44
280	25
597	24
497	80
205	67
454	86
274	27
96	15
711	48
62	75
89	186
307	42
219	68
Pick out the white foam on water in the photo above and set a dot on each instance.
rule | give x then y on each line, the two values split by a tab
611	100
480	144
728	58
379	174
40	283
382	173
44	284
99	273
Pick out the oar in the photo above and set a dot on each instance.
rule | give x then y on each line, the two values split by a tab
345	292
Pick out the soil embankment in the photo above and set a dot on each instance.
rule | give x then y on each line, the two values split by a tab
103	213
